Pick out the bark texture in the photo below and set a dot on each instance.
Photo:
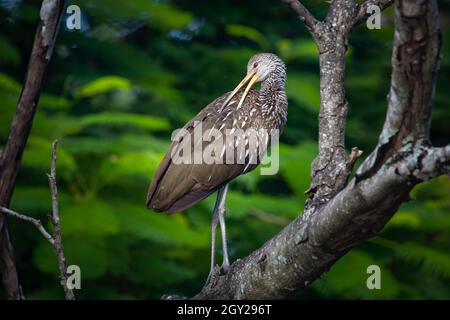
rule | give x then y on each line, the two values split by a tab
341	214
50	16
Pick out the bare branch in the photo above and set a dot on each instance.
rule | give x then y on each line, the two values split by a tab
327	170
430	163
330	169
314	241
415	64
56	239
36	222
57	226
362	12
50	16
304	15
311	244
354	155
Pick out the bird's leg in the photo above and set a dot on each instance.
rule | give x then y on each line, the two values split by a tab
215	220
222	214
218	216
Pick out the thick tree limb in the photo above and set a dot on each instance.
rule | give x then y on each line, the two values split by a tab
325	231
50	16
56	239
328	170
415	63
310	245
329	174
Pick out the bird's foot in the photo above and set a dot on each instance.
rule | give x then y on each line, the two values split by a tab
225	267
213	276
215	273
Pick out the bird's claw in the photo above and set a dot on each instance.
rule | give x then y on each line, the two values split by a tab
213	275
225	268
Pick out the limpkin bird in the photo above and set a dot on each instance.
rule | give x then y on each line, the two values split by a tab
177	186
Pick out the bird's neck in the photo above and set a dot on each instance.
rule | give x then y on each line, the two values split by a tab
273	100
274	82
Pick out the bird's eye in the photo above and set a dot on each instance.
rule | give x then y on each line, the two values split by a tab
255	64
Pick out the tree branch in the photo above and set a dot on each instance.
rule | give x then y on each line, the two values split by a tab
415	64
362	14
328	170
304	15
313	242
50	16
56	239
59	248
431	163
35	222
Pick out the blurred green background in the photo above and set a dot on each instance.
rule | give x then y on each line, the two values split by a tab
139	69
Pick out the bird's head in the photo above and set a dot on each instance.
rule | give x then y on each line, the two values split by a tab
261	65
259	68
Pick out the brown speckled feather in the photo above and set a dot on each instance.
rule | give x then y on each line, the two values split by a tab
176	187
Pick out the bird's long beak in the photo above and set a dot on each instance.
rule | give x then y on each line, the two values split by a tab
252	77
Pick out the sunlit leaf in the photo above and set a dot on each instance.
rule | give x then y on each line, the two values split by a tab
125	119
298	49
145	224
38	155
103	85
94	218
252	34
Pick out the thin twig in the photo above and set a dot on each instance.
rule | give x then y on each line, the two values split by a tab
354	155
57	226
56	239
36	222
304	15
362	14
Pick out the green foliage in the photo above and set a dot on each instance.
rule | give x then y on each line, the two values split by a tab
139	69
247	32
102	85
338	283
123	119
304	90
298	49
433	261
9	53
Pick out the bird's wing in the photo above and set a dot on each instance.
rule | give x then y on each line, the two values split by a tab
178	186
